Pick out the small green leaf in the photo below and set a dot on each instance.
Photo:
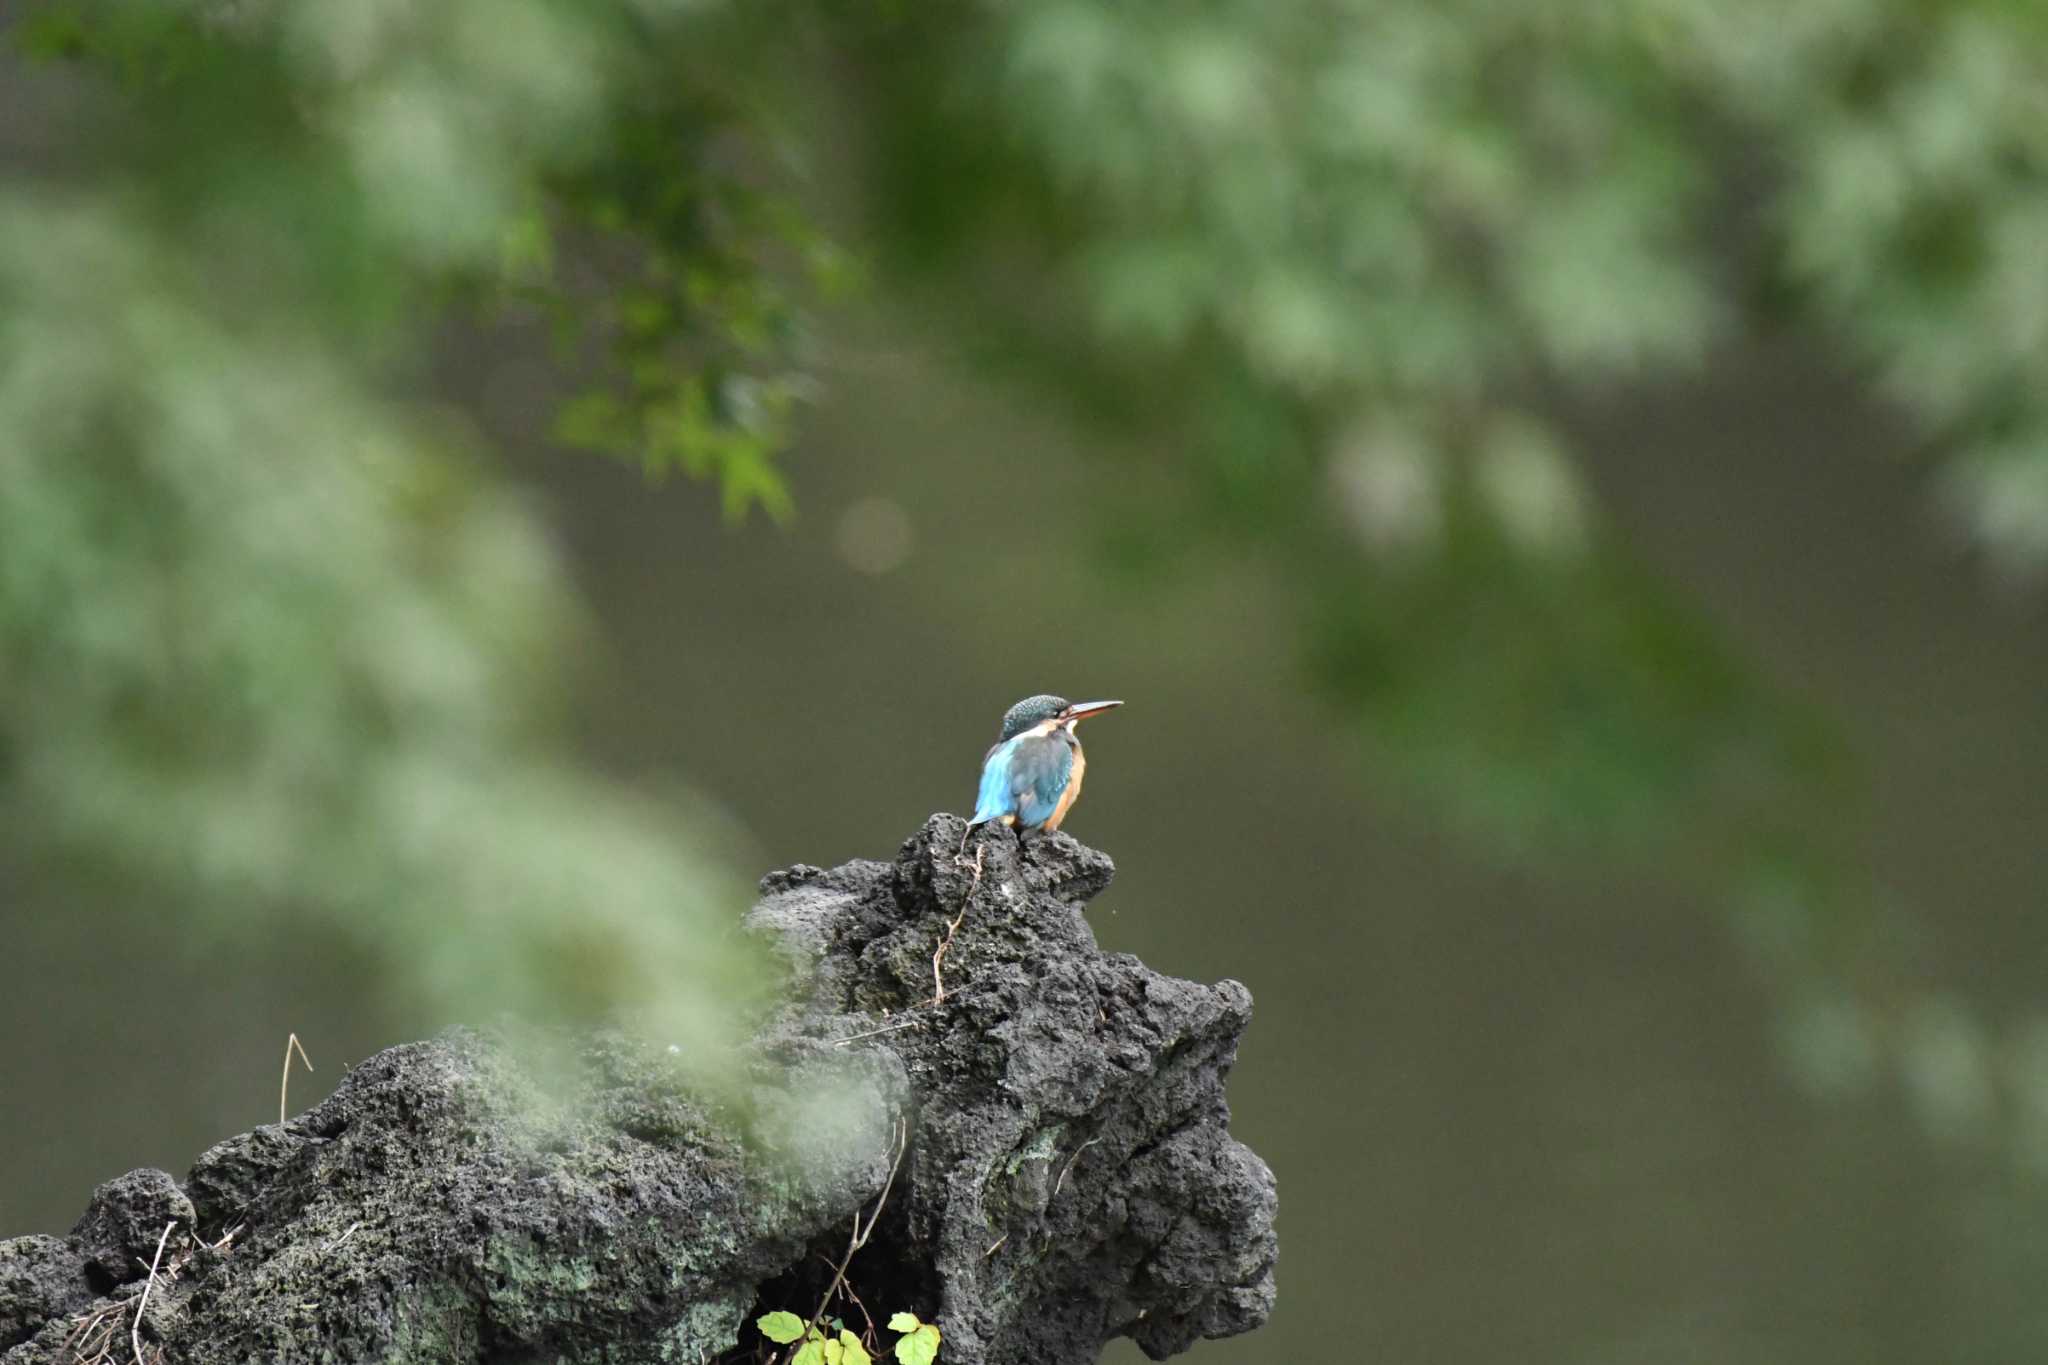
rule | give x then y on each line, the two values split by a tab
812	1352
780	1328
920	1347
851	1351
904	1322
833	1351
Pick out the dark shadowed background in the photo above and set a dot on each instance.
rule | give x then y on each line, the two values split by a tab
1595	705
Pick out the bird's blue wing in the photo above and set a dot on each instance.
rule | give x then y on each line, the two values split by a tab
1024	777
994	801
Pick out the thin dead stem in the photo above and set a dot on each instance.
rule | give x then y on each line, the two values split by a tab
1060	1184
938	995
94	1334
861	1232
135	1332
939	957
868	1337
910	1022
291	1045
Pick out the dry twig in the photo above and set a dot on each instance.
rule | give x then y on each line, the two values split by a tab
875	1032
861	1232
135	1332
938	995
92	1337
868	1337
938	981
94	1334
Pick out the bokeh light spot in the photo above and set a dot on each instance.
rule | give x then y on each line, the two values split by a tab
874	535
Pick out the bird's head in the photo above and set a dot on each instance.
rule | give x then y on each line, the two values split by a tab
1035	711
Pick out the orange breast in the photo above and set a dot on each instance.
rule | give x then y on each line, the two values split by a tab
1073	791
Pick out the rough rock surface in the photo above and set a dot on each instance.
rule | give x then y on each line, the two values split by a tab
1066	1175
122	1224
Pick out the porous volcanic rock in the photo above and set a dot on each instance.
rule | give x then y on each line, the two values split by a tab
1054	1121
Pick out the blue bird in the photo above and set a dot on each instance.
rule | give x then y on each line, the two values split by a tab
1032	775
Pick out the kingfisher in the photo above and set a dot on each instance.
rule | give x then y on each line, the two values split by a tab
1032	775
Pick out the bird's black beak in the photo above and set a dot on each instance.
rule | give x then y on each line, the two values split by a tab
1081	710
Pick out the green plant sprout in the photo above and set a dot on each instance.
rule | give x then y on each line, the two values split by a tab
918	1343
784	1328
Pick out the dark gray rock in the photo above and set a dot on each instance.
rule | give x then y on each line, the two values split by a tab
231	1176
41	1279
447	1204
1068	1176
123	1224
1071	1177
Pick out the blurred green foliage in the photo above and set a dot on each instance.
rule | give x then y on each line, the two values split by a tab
1356	271
270	631
1351	258
273	636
